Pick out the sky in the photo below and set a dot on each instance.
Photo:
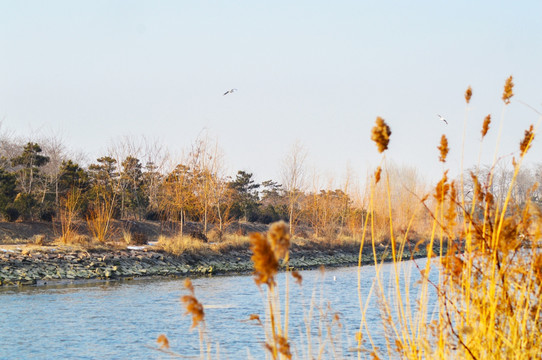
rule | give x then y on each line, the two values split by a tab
313	72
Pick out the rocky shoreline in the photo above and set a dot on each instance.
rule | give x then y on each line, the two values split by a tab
50	265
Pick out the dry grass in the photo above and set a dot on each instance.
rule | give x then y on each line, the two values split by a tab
178	245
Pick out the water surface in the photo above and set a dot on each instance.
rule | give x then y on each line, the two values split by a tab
119	320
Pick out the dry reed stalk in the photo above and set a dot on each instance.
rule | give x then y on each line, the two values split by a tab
195	309
489	289
489	286
267	250
68	214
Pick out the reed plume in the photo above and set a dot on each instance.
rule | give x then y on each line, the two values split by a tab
451	213
193	306
443	148
265	262
485	126
163	341
279	237
298	278
378	173
267	249
284	346
508	90
468	94
525	144
442	188
381	134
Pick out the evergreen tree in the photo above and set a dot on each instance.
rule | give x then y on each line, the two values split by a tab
133	198
245	196
72	176
28	164
7	191
103	175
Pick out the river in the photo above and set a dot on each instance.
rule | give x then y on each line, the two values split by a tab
122	319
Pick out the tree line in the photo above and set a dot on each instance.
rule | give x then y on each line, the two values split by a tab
39	184
42	183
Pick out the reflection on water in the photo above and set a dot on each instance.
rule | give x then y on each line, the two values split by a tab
121	319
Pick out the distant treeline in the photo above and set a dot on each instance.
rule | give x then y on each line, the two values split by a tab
38	184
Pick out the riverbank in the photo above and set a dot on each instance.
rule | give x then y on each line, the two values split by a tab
49	264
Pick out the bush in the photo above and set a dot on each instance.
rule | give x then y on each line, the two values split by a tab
39	239
136	238
196	234
47	214
215	235
25	204
153	215
10	214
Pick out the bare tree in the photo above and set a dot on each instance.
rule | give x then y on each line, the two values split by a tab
178	194
9	147
405	188
293	180
210	193
156	158
120	150
54	148
523	185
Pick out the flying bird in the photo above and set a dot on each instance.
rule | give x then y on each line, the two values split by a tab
443	119
231	91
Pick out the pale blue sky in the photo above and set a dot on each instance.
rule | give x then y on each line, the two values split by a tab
314	71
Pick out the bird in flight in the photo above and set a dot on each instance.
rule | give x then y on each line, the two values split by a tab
231	91
443	119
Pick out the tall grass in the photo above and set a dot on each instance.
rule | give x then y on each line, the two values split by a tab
489	278
486	276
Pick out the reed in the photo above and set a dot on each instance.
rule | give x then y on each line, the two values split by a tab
489	286
479	296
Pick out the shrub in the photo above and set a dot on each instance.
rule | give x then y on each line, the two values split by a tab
47	214
135	238
196	234
25	204
11	214
39	239
153	215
